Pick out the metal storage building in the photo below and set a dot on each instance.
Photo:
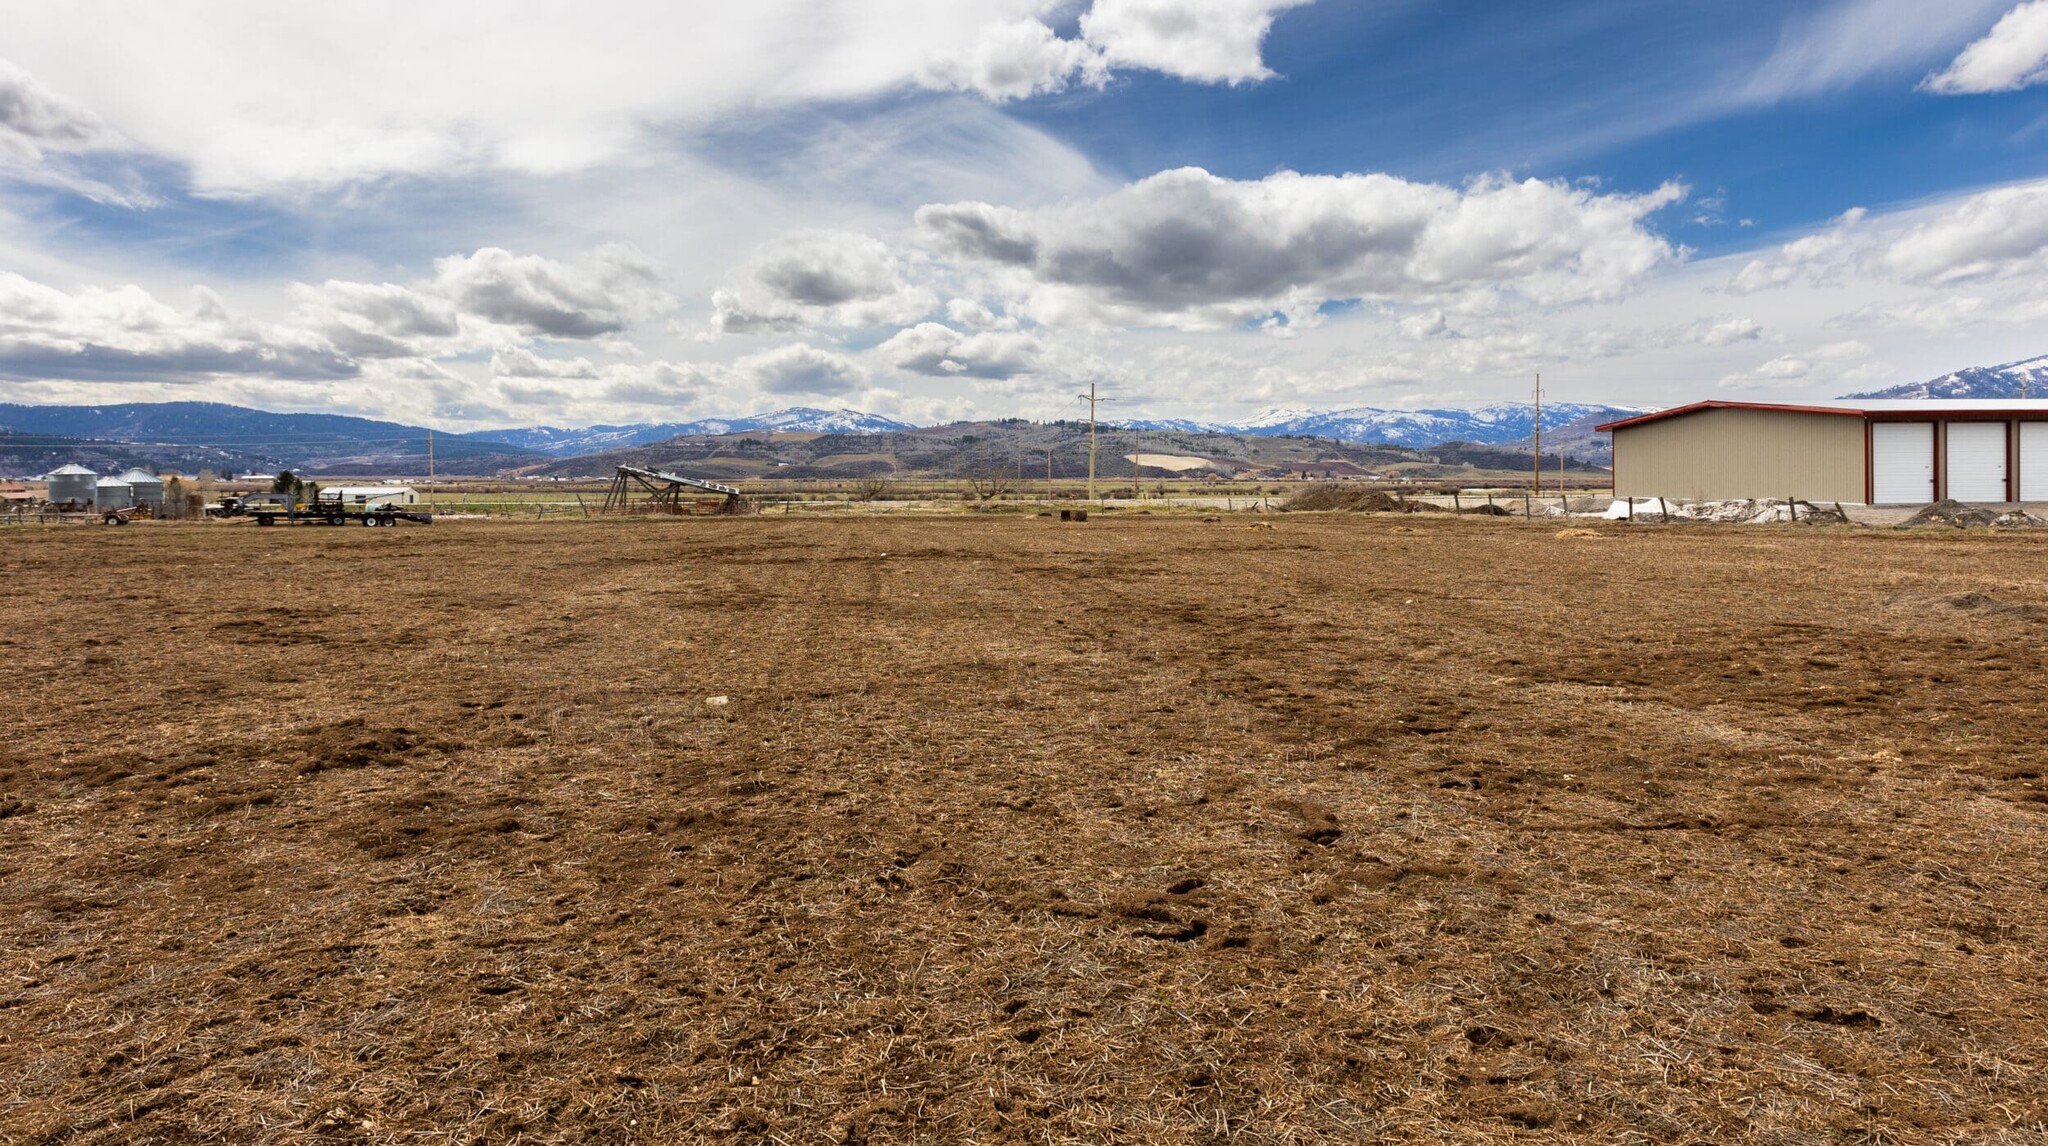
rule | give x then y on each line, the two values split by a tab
145	488
113	493
1891	452
72	483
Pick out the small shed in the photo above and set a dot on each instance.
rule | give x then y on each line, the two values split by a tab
145	488
113	493
73	483
1878	452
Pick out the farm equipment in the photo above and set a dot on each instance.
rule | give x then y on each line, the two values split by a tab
125	515
666	493
324	511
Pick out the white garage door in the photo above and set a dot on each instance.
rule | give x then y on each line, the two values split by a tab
1902	462
1976	461
2034	461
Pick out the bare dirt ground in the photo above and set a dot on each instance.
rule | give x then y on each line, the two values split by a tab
1394	829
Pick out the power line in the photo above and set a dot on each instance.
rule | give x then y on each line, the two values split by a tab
1092	400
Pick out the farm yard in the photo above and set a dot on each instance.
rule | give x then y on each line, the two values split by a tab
1398	828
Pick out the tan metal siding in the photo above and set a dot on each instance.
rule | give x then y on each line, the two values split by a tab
1742	453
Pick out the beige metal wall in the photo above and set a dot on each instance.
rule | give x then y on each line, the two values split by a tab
1742	453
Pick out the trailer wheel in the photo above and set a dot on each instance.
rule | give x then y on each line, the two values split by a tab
369	521
336	519
113	519
264	519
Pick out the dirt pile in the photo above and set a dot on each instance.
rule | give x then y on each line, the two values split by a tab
1343	499
1949	511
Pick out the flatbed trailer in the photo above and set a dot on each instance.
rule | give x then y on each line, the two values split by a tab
328	513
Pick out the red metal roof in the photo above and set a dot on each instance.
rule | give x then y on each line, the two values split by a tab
1890	410
1675	411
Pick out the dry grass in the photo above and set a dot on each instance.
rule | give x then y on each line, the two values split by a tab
1146	830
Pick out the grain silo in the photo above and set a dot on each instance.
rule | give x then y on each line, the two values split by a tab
145	488
113	493
72	483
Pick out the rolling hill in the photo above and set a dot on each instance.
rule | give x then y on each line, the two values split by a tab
322	443
1023	450
591	439
2026	378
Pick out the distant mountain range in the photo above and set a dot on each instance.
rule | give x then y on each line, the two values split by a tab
1501	422
176	435
1494	424
592	439
261	440
166	433
1019	453
2013	380
27	455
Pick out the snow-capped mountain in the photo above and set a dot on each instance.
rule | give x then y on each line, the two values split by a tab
591	439
1491	424
2012	380
1174	425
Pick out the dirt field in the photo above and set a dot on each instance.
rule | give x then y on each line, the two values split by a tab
1386	829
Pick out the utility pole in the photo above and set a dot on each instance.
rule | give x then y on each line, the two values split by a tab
430	457
1536	452
1048	473
1092	399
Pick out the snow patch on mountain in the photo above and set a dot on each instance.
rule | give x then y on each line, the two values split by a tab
2027	378
592	439
1492	424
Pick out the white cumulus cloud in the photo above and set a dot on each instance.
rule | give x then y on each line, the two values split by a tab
1189	249
1993	234
540	296
801	368
255	97
935	349
1806	258
1015	60
126	334
1212	41
820	278
488	298
2012	56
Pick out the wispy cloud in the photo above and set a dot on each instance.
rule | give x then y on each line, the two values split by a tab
1857	40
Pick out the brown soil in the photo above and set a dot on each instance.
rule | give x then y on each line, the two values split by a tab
1346	498
1145	831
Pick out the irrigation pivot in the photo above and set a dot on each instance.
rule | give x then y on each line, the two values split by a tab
665	491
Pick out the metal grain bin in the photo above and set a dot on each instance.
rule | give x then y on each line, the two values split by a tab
145	488
73	483
113	493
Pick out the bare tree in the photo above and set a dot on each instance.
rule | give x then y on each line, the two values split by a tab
988	483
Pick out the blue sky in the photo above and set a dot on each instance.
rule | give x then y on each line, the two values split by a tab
624	210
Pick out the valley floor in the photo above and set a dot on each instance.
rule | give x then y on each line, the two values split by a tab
1390	828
